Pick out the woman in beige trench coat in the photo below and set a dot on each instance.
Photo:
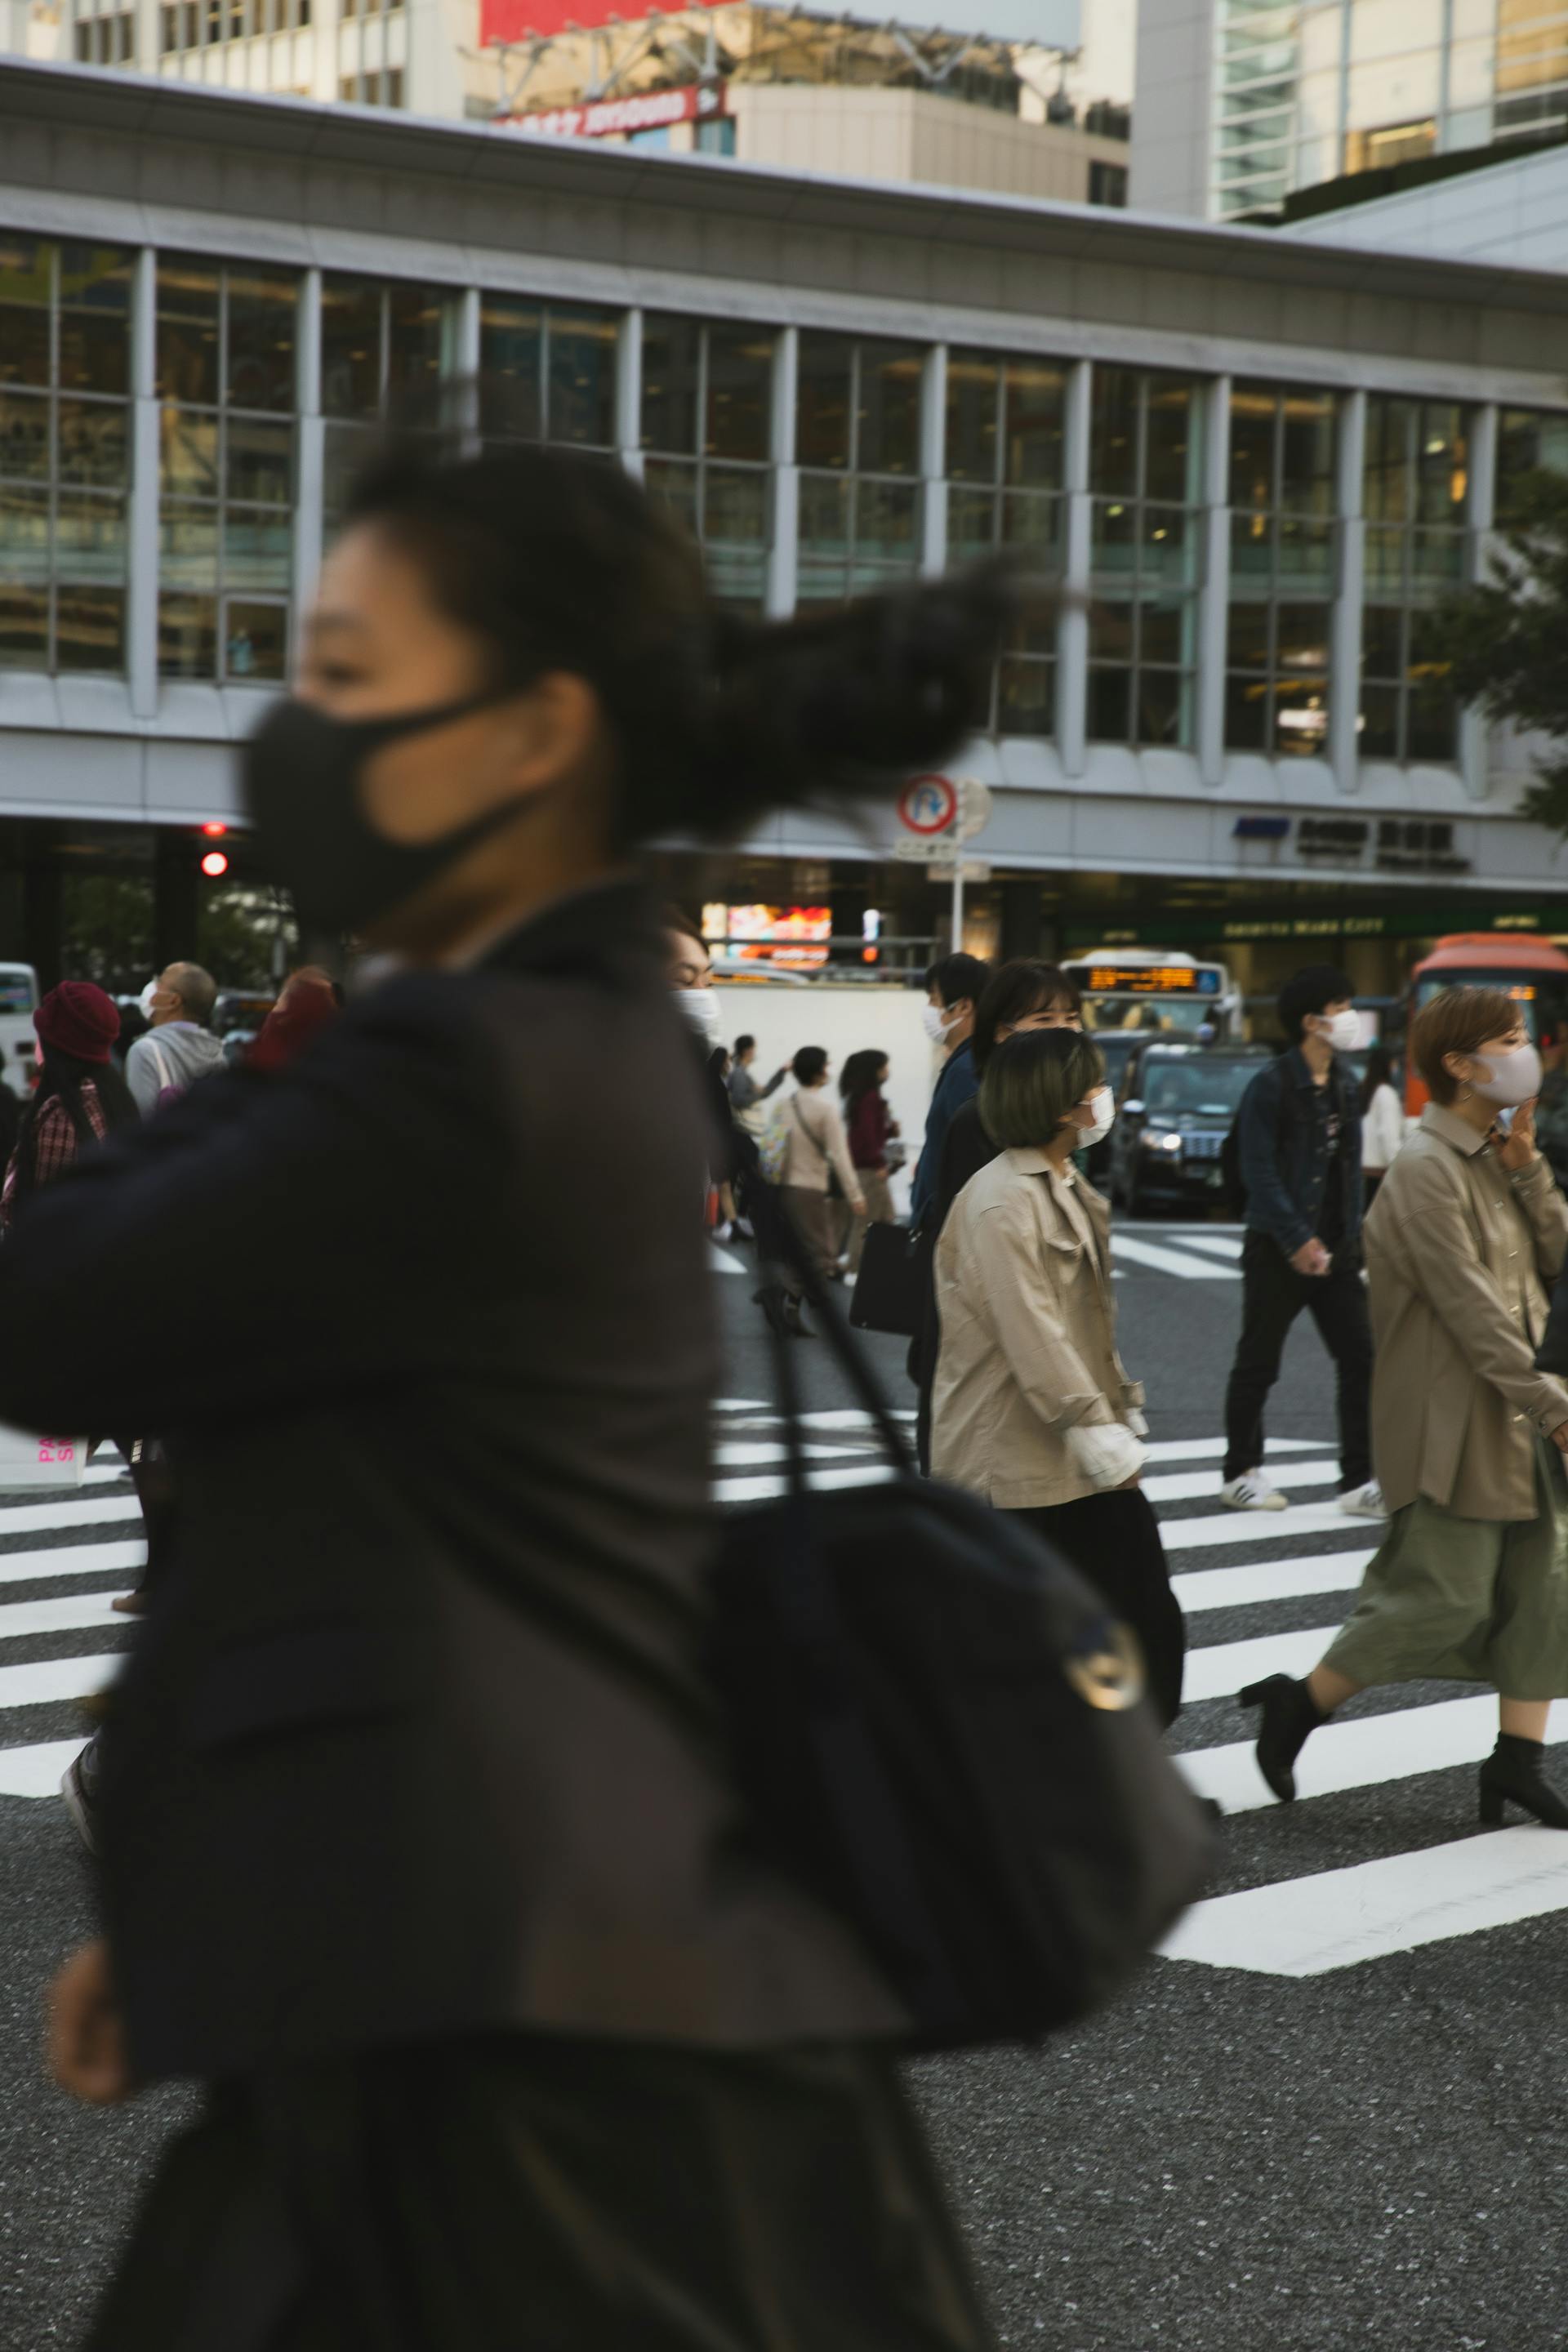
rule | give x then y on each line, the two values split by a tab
1470	1584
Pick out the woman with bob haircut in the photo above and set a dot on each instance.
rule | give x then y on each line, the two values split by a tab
1033	1408
1470	1583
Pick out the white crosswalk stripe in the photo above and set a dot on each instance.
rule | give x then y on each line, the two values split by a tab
1258	1569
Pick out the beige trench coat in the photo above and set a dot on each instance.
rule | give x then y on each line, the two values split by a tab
1457	1256
1028	1334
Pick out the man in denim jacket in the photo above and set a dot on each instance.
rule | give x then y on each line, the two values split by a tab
1299	1140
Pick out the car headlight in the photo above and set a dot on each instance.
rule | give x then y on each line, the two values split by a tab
1161	1142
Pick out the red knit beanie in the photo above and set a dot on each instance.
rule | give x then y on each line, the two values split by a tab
77	1018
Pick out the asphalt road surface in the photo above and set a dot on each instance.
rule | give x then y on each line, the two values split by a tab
1332	2116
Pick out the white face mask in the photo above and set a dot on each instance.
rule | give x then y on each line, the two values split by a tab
702	1009
1104	1103
1341	1031
147	999
935	1021
1515	1076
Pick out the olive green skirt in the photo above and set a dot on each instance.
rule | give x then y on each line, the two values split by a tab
1466	1600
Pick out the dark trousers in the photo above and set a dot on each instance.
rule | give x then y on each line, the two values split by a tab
535	2193
1113	1541
1273	1294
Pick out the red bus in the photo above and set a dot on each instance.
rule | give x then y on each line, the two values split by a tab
1533	971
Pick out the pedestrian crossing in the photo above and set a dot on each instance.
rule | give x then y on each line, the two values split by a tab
1246	1582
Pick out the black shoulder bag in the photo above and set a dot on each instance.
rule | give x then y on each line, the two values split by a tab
939	1729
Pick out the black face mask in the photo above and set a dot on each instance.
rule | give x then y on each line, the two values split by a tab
301	784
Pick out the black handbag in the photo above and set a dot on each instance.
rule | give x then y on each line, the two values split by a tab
940	1730
890	1287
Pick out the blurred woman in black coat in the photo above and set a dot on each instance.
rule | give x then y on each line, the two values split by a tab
419	1843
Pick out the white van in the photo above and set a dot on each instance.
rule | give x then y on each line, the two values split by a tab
18	1002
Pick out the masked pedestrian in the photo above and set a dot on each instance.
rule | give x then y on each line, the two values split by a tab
1470	1584
419	1847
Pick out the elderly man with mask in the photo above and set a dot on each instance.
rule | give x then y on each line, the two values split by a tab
179	1046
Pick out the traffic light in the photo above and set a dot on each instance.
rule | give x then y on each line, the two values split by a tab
215	862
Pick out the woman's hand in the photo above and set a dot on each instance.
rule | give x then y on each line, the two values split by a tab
1560	1438
86	2040
1516	1150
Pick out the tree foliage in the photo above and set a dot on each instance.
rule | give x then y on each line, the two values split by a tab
1506	637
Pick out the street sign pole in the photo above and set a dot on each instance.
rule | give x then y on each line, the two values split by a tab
957	940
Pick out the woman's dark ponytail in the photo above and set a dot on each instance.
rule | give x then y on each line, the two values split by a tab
564	562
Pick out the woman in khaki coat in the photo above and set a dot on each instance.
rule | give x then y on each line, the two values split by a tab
1470	1584
1032	1406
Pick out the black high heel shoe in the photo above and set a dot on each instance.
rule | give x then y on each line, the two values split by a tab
1512	1775
1289	1717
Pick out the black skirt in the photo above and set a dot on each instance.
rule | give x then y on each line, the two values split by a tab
521	2194
1113	1540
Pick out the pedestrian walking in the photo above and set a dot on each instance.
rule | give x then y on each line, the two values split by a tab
1023	995
746	1095
419	1847
817	1179
1382	1122
871	1128
178	1047
953	988
1298	1146
1470	1583
80	1097
1033	1408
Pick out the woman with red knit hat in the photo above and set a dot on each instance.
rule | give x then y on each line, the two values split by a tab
80	1097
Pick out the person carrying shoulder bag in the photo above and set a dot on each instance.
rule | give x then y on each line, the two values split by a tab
817	1177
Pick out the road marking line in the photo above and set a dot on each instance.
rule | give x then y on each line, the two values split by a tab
1221	1244
1210	1449
1269	1579
63	1612
741	1457
1168	1261
1338	1918
741	1404
1256	1526
46	1679
72	1559
91	1510
1220	1673
1361	1754
1187	1486
35	1771
870	1472
722	1262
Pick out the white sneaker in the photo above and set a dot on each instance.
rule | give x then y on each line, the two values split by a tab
1254	1491
1364	1502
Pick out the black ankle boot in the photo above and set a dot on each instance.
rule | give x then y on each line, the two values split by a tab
1512	1775
1290	1714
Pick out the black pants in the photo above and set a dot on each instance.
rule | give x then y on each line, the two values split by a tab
1113	1541
1273	1294
526	2193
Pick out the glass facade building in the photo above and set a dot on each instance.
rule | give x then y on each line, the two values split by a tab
1306	91
1209	563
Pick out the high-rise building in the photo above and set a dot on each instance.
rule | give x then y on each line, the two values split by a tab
1243	104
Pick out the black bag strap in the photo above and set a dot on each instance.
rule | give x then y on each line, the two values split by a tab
782	1242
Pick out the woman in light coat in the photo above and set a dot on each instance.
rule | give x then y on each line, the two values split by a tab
1032	1407
1470	1583
817	1177
1382	1122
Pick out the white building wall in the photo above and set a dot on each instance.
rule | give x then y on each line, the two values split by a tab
1172	108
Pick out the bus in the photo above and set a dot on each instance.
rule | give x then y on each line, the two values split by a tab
1534	972
1145	989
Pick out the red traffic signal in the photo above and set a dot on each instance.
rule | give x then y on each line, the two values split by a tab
214	831
214	864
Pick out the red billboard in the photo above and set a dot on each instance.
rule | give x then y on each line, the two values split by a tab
520	20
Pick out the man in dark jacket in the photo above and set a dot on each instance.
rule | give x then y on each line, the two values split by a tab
954	986
1299	1138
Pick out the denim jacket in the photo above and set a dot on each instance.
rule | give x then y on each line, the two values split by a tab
1284	1159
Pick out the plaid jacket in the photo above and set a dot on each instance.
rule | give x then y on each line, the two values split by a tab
52	1144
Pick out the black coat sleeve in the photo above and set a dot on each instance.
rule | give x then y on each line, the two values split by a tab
267	1239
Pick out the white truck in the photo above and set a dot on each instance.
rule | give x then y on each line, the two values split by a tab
18	1002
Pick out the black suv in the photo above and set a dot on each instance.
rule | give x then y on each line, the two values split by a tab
1178	1105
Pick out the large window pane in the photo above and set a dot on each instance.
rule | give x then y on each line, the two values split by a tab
1307	454
581	389
890	424
739	391
95	318
24	623
974	397
257	549
971	524
256	640
1034	398
26	271
260	465
187	635
736	505
24	433
671	373
1254	413
189	309
187	542
189	453
823	398
261	311
419	333
350	347
511	349
1169	468
89	627
1114	432
89	535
